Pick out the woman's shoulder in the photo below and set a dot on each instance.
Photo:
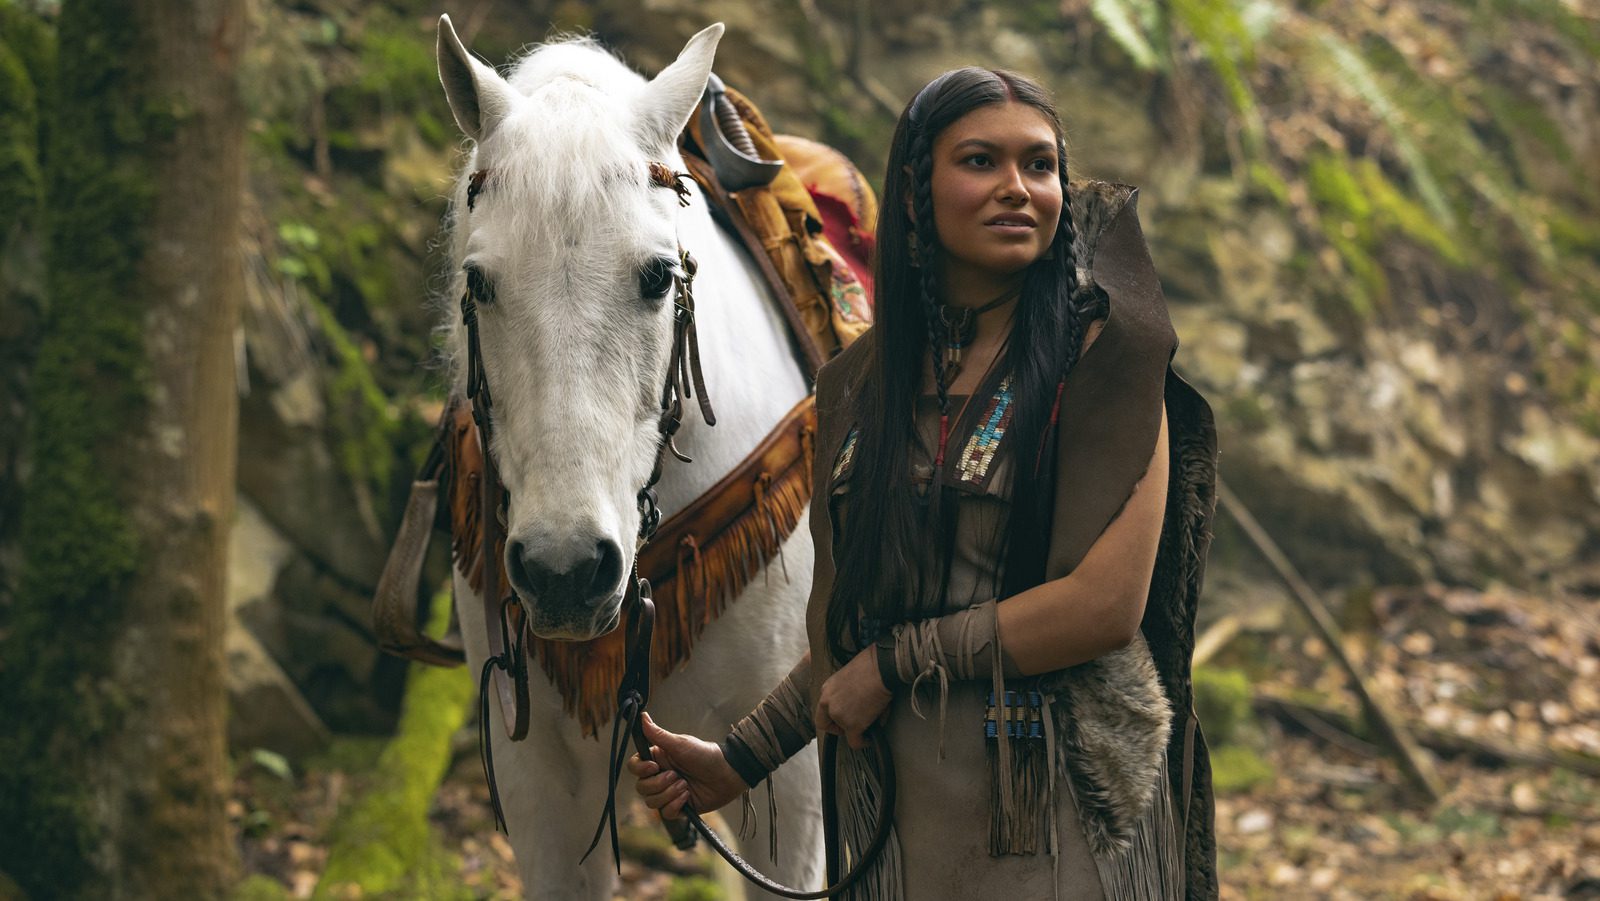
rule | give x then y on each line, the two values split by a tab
841	375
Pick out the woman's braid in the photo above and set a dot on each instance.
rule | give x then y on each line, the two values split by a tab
1067	239
927	233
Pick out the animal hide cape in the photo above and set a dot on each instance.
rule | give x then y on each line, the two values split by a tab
1125	718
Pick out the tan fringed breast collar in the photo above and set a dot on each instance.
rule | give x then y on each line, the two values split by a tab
717	545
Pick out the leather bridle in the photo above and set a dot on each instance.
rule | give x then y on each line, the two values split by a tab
506	669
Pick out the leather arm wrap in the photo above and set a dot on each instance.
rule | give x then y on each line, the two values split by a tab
960	645
775	730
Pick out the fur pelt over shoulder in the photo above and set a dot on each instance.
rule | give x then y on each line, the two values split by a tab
1120	714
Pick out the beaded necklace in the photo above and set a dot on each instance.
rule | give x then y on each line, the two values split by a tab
961	329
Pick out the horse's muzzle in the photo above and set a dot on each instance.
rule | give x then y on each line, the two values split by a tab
569	583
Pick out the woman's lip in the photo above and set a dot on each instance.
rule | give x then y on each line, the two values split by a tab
1022	221
1009	227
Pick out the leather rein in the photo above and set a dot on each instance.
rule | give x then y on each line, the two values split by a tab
506	669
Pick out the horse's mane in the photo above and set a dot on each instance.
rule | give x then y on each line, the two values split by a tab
562	163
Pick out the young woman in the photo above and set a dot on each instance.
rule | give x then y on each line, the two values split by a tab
1012	505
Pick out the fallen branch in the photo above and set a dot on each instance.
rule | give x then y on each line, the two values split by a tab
1418	769
1443	741
1215	638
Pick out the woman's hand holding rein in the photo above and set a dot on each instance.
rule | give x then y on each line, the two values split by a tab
685	770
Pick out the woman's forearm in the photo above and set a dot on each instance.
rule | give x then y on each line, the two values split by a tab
1092	611
1097	607
775	730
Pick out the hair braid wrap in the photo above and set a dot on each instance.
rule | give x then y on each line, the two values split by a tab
927	233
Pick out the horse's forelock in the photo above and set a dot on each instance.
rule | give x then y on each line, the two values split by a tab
565	162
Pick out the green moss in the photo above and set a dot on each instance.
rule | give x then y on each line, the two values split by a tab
257	887
1228	47
1518	115
1265	179
382	844
1394	212
349	754
1455	820
1572	235
1221	701
79	548
694	888
1361	210
21	185
368	429
1571	24
1235	768
398	69
1139	27
355	253
367	425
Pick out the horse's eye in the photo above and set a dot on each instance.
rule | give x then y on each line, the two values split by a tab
655	278
478	284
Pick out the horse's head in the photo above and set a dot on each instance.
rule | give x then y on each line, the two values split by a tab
571	250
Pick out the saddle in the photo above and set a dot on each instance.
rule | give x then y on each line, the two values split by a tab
806	215
801	208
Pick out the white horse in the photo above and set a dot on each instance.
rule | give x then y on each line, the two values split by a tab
571	234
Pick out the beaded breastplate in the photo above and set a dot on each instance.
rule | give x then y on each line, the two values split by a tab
979	434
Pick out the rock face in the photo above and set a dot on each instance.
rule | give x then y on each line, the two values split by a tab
1387	426
1383	402
1394	324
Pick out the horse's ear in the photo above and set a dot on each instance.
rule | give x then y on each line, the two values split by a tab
479	98
667	102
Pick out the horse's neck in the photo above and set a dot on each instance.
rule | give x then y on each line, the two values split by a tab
745	351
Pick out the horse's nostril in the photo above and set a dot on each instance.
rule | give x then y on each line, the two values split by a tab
523	568
585	577
608	568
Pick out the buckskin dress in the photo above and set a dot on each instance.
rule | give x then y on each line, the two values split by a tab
1130	779
943	798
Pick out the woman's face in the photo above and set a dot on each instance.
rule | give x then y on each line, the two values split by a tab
996	196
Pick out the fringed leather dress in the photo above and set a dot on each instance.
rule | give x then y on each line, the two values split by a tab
1116	795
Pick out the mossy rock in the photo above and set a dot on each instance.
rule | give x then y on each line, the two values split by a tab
695	888
1222	701
382	844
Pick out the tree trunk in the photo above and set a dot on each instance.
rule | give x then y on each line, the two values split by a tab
114	779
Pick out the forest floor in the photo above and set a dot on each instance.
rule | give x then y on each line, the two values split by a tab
1306	808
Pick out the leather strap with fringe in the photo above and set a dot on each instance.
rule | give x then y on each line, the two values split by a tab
699	561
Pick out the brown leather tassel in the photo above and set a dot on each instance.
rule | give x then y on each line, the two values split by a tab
1018	818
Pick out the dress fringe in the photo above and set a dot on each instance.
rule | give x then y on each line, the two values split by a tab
1152	867
859	789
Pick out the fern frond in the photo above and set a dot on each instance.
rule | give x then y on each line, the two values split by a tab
1228	43
1139	27
1348	71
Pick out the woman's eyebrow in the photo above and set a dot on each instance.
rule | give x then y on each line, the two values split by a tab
981	144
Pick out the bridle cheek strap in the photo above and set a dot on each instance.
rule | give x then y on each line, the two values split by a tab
506	669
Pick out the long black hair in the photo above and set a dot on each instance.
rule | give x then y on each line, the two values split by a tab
885	570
